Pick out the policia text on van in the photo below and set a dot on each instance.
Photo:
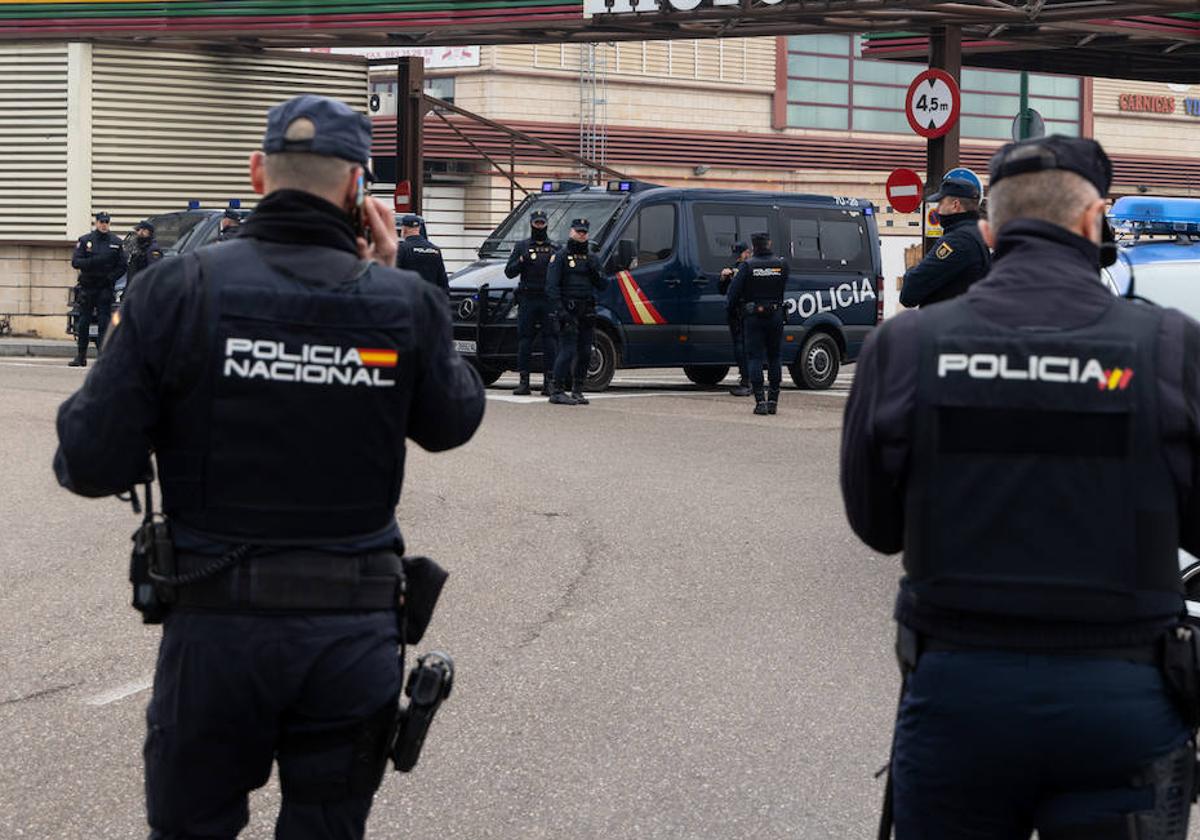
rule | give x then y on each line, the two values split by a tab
662	250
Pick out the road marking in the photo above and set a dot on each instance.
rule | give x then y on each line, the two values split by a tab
45	364
120	692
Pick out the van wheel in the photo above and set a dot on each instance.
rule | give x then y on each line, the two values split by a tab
489	375
602	364
816	368
706	374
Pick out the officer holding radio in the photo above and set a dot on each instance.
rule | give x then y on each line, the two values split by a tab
276	378
1033	448
757	292
572	280
530	261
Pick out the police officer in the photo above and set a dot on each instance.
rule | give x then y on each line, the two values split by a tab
1032	447
529	260
741	252
420	255
757	292
960	256
276	377
572	280
100	260
231	223
145	252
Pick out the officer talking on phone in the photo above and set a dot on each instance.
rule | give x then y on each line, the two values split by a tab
276	378
1033	447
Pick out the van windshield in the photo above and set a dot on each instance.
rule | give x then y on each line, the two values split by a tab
597	209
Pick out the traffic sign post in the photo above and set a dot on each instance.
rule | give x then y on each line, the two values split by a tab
904	190
933	103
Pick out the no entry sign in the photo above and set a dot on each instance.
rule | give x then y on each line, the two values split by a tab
904	189
933	103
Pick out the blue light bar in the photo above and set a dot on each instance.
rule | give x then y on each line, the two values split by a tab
235	204
194	204
549	186
620	186
868	210
1150	214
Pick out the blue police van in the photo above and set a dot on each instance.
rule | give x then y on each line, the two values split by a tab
663	249
1158	262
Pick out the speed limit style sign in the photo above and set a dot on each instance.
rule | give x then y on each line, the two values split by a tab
933	103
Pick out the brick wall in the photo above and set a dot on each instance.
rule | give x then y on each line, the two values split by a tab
34	284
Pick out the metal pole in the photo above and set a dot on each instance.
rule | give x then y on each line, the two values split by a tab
512	172
410	118
942	153
1025	125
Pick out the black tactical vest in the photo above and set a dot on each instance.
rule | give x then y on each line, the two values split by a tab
293	428
537	261
766	281
1038	489
579	267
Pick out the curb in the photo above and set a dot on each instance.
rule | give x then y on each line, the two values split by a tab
17	348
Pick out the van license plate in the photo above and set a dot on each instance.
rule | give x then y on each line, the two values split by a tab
464	346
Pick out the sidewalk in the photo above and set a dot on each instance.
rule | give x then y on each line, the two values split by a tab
52	347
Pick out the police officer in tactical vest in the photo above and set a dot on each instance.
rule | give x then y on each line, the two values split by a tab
145	252
420	255
757	292
572	280
100	261
959	257
530	260
741	252
1032	447
276	378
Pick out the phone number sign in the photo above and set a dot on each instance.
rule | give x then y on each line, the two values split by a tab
933	103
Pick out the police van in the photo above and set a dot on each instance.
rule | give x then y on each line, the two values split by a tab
663	249
1158	261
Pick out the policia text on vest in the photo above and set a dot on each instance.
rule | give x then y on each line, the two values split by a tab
278	566
1028	447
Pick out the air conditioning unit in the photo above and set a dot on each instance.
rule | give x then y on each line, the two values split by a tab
382	104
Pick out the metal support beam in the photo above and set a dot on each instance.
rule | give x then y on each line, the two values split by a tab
410	117
942	153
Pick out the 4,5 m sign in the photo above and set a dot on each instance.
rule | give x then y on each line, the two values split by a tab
933	103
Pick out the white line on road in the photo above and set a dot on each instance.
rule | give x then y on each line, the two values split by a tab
120	692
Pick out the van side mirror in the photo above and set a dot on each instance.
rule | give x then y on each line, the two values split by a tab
623	258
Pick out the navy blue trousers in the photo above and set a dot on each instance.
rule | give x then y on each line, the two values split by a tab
575	334
232	692
764	339
737	334
533	317
993	745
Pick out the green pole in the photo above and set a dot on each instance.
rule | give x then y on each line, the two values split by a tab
1025	127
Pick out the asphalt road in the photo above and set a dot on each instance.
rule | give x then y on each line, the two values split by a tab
663	627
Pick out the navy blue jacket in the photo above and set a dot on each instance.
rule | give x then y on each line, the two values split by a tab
418	254
1044	277
958	259
573	276
99	258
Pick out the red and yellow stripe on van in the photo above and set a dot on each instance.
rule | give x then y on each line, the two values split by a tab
640	309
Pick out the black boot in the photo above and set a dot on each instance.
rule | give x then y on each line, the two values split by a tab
772	400
742	389
547	385
522	390
78	361
579	398
760	404
561	398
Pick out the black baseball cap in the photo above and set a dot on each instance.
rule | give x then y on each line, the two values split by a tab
581	224
759	238
340	131
1080	155
956	188
103	217
144	225
538	216
411	220
738	248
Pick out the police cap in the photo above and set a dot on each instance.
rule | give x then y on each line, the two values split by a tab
411	220
144	225
956	188
1084	157
103	217
538	216
338	130
760	239
739	247
580	224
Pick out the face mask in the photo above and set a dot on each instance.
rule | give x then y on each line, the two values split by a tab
576	247
539	234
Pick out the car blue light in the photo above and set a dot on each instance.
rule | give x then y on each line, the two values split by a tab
1157	215
194	204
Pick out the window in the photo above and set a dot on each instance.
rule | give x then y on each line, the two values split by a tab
823	240
653	233
817	116
720	227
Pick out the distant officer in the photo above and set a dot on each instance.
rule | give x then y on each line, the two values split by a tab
530	260
572	281
420	255
231	223
741	253
100	260
276	378
1033	449
960	256
145	252
757	292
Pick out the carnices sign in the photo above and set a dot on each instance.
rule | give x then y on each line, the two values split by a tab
1147	104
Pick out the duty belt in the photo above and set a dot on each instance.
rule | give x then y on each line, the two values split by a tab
911	646
296	580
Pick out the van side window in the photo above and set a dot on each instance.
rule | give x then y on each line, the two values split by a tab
653	234
721	226
827	240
